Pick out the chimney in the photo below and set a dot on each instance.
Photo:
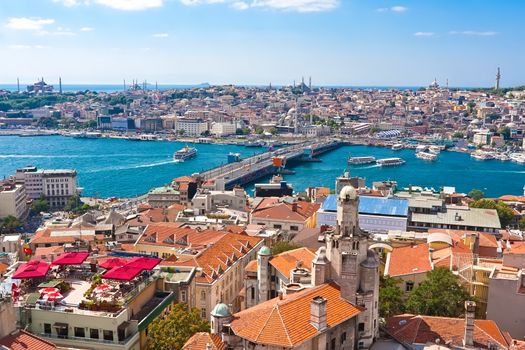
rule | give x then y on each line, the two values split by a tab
318	313
470	309
294	206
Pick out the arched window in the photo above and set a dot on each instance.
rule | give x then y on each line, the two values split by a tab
203	295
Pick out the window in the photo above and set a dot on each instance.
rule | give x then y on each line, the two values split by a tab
277	226
332	344
108	335
203	295
294	228
252	292
93	333
409	285
361	327
80	332
47	328
203	312
183	296
343	338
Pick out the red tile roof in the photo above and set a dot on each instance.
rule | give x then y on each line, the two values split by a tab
200	341
221	255
22	340
288	260
286	322
409	260
285	211
427	329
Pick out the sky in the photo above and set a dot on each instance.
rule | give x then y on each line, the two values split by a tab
336	42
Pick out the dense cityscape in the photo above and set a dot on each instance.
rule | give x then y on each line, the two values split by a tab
297	215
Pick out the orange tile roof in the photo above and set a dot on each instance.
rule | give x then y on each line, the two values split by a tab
44	236
512	198
409	260
423	329
284	211
485	239
252	266
286	322
183	179
3	268
22	340
287	261
172	235
200	341
221	255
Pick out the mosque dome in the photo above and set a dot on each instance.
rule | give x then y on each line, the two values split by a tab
265	251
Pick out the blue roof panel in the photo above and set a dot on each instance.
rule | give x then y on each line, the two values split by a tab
372	205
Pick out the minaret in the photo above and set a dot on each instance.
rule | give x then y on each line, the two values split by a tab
498	78
156	86
296	126
263	267
310	83
18	85
124	84
60	85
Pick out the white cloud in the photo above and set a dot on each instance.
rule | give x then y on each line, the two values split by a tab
240	5
57	32
126	5
284	5
424	34
25	23
397	9
25	47
160	35
87	29
473	33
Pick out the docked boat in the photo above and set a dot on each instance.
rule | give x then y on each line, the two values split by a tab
87	135
426	156
390	161
397	147
361	160
480	155
517	158
434	149
421	148
184	154
254	144
147	137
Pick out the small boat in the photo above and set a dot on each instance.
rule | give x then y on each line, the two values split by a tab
147	137
426	156
434	149
397	147
184	154
361	160
254	144
421	148
390	161
87	135
480	155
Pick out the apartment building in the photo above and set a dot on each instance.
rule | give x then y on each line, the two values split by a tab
57	185
191	127
13	199
206	201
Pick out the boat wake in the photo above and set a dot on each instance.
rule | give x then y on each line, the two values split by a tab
75	156
151	165
370	166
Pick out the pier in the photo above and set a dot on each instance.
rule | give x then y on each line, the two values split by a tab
261	165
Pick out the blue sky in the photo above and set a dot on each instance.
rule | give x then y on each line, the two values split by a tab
337	42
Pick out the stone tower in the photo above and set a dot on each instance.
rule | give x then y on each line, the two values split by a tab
353	266
263	267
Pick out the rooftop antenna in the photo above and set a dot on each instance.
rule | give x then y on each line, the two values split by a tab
60	85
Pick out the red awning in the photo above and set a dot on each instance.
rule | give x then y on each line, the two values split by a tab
143	263
73	258
110	263
31	269
123	273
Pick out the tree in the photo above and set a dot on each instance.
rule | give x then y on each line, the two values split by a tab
181	132
505	131
458	135
174	330
505	213
476	194
259	130
439	295
521	223
9	224
390	297
283	246
40	205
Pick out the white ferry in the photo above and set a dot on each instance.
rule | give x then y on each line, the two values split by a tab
397	147
421	148
390	161
184	153
517	157
480	155
426	156
434	149
361	160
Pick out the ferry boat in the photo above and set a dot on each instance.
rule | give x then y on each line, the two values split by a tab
254	144
397	147
480	155
86	135
147	137
361	160
390	161
421	148
434	149
426	156
184	153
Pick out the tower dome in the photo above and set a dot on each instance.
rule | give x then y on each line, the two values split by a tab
264	251
221	310
348	193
